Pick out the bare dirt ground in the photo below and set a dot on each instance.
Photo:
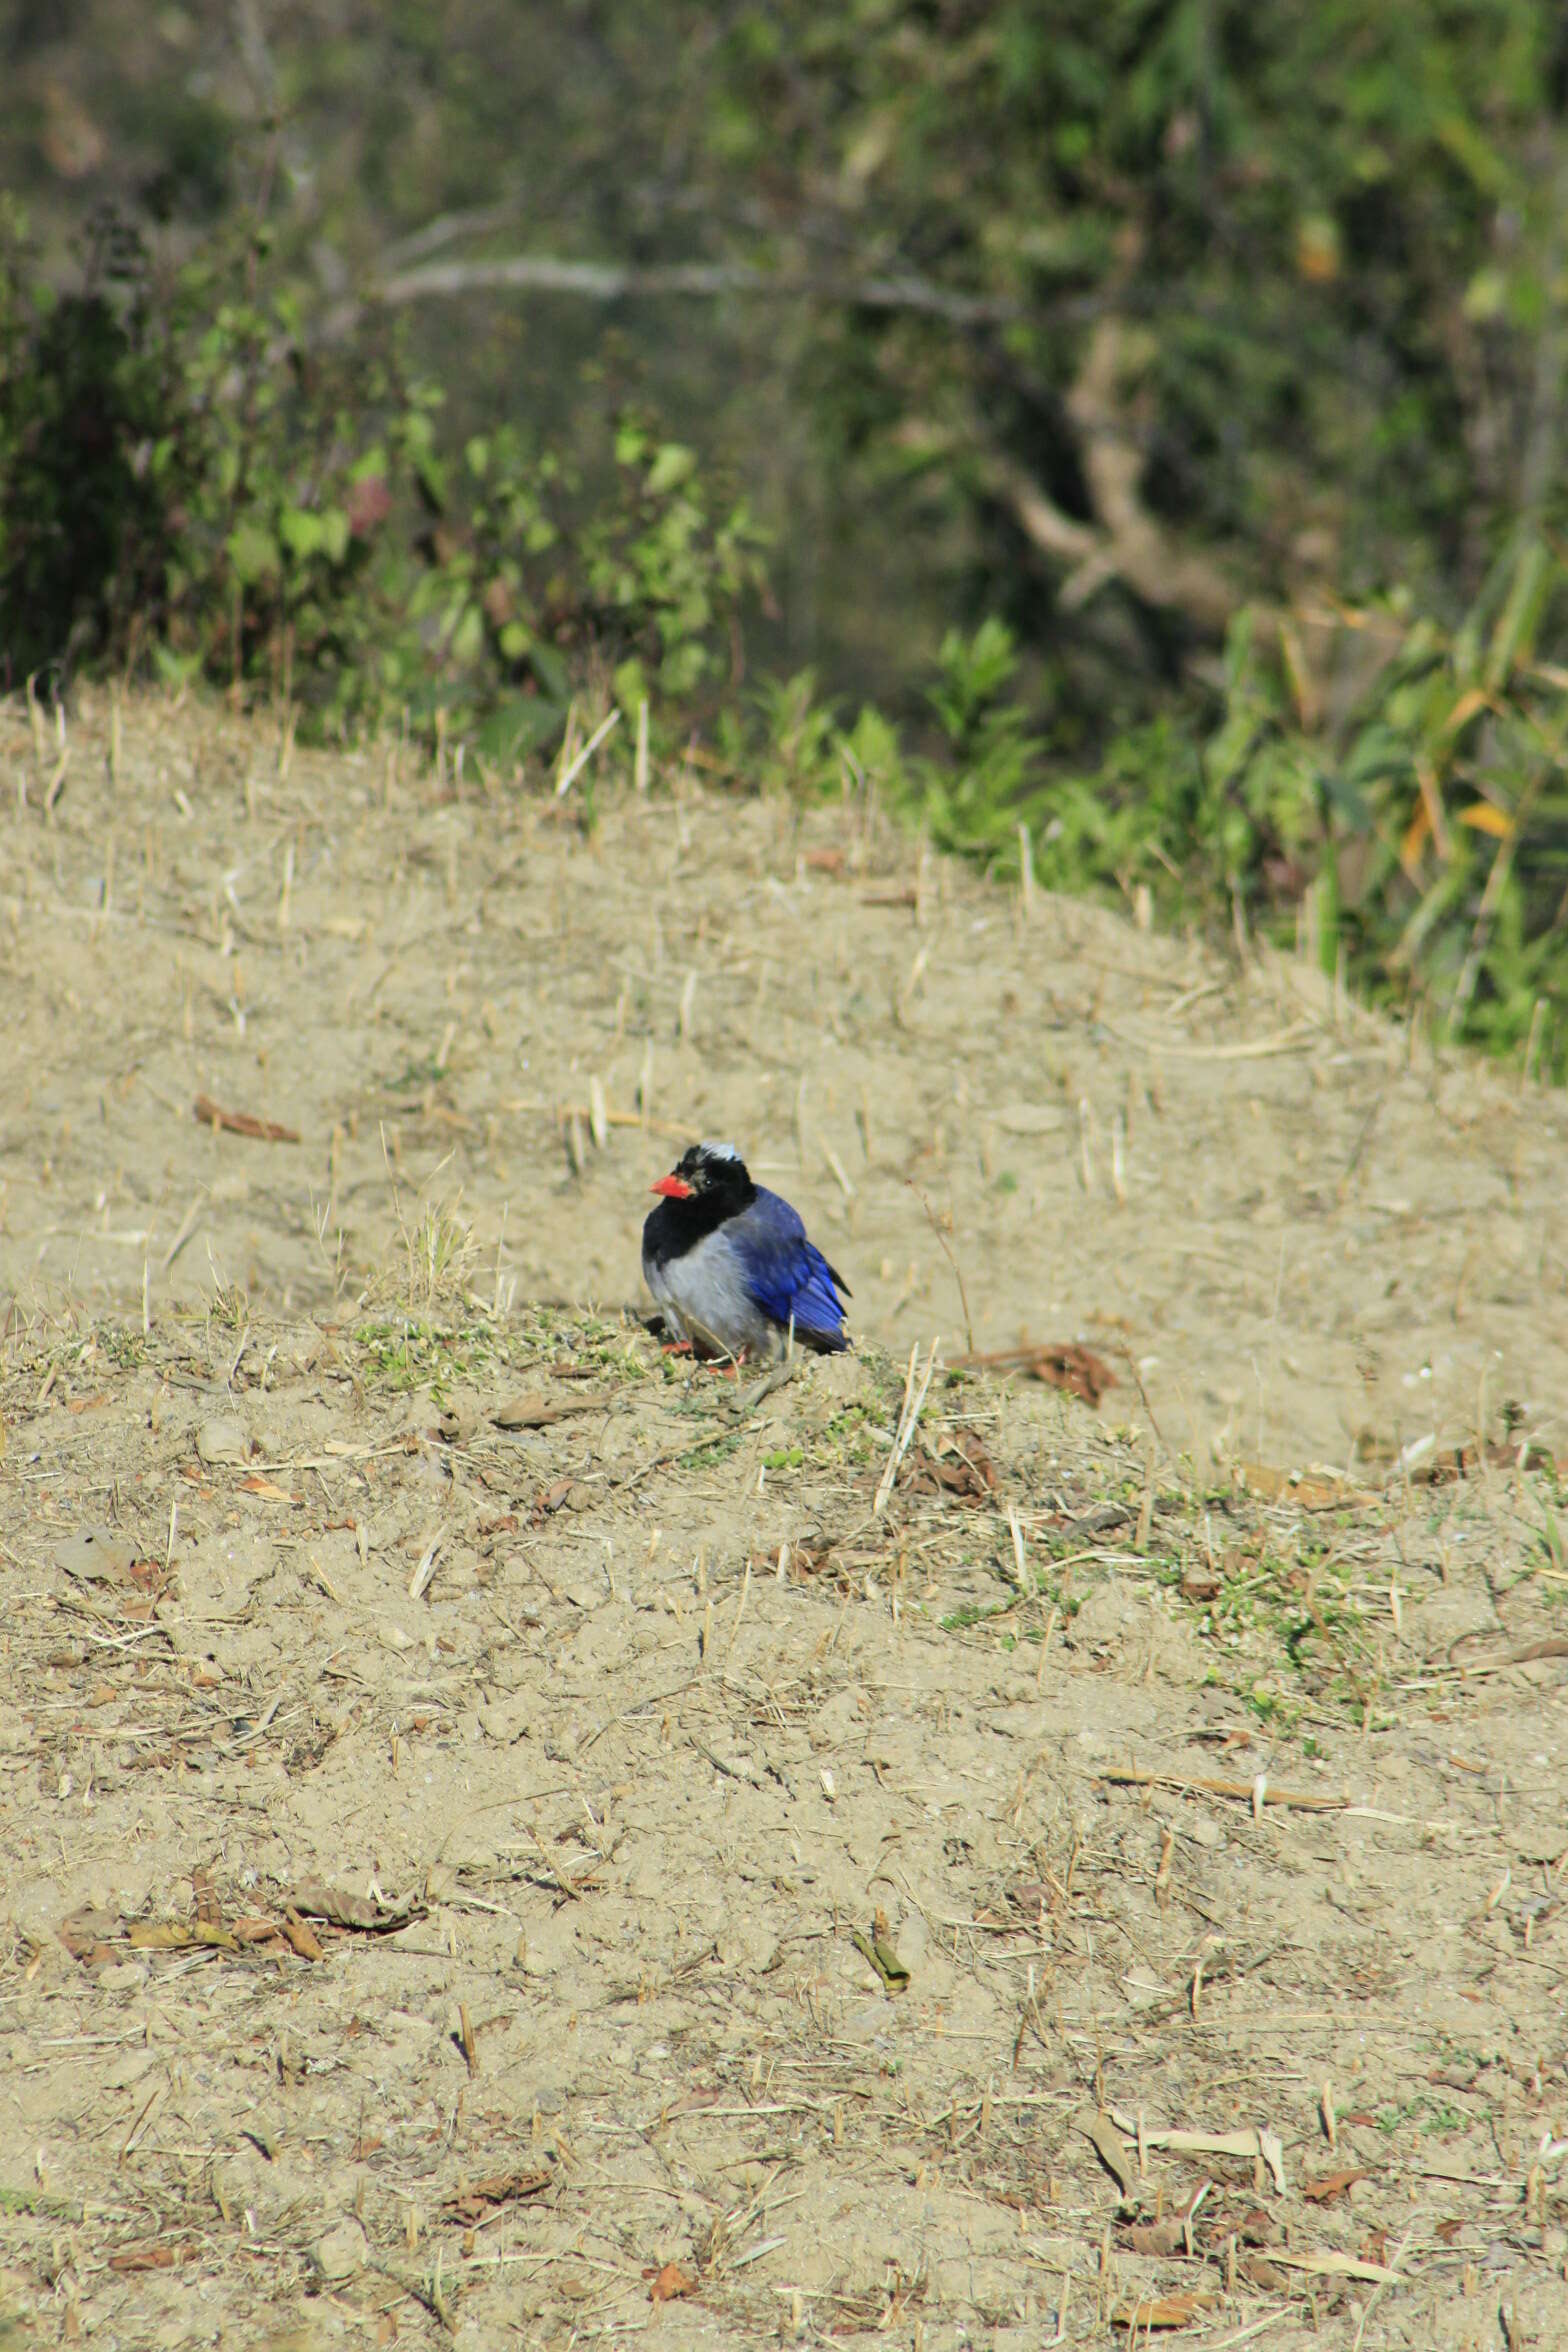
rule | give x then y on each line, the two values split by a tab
506	1839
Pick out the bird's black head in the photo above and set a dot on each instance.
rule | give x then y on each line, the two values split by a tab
713	1174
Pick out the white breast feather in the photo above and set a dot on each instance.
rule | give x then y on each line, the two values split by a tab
703	1295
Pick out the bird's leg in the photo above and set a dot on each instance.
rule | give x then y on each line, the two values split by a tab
675	1347
780	1374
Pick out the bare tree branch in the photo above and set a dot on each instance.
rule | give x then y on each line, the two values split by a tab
480	221
540	273
1139	549
1039	518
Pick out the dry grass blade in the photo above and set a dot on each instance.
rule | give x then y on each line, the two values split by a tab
1259	2144
1332	2185
1252	1793
908	1420
419	1582
574	768
946	1248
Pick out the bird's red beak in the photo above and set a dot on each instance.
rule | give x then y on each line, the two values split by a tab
673	1188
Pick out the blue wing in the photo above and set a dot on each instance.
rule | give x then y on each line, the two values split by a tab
786	1274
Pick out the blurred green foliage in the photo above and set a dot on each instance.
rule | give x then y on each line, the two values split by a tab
1416	846
187	483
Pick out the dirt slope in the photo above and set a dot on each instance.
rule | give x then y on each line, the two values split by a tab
450	1864
1316	1238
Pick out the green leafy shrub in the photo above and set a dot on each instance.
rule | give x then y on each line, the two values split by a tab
85	499
1418	839
190	481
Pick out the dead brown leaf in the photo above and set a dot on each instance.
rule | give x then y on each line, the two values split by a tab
151	2254
669	2282
963	1468
1163	2311
1065	1364
537	1412
1309	1490
302	1937
1111	2149
1161	2238
172	1935
1330	2186
313	1899
257	1485
91	1936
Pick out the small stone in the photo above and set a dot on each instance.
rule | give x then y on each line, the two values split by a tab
95	1555
342	2251
222	1441
507	1719
123	1976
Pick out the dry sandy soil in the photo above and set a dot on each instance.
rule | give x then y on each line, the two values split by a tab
508	1839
